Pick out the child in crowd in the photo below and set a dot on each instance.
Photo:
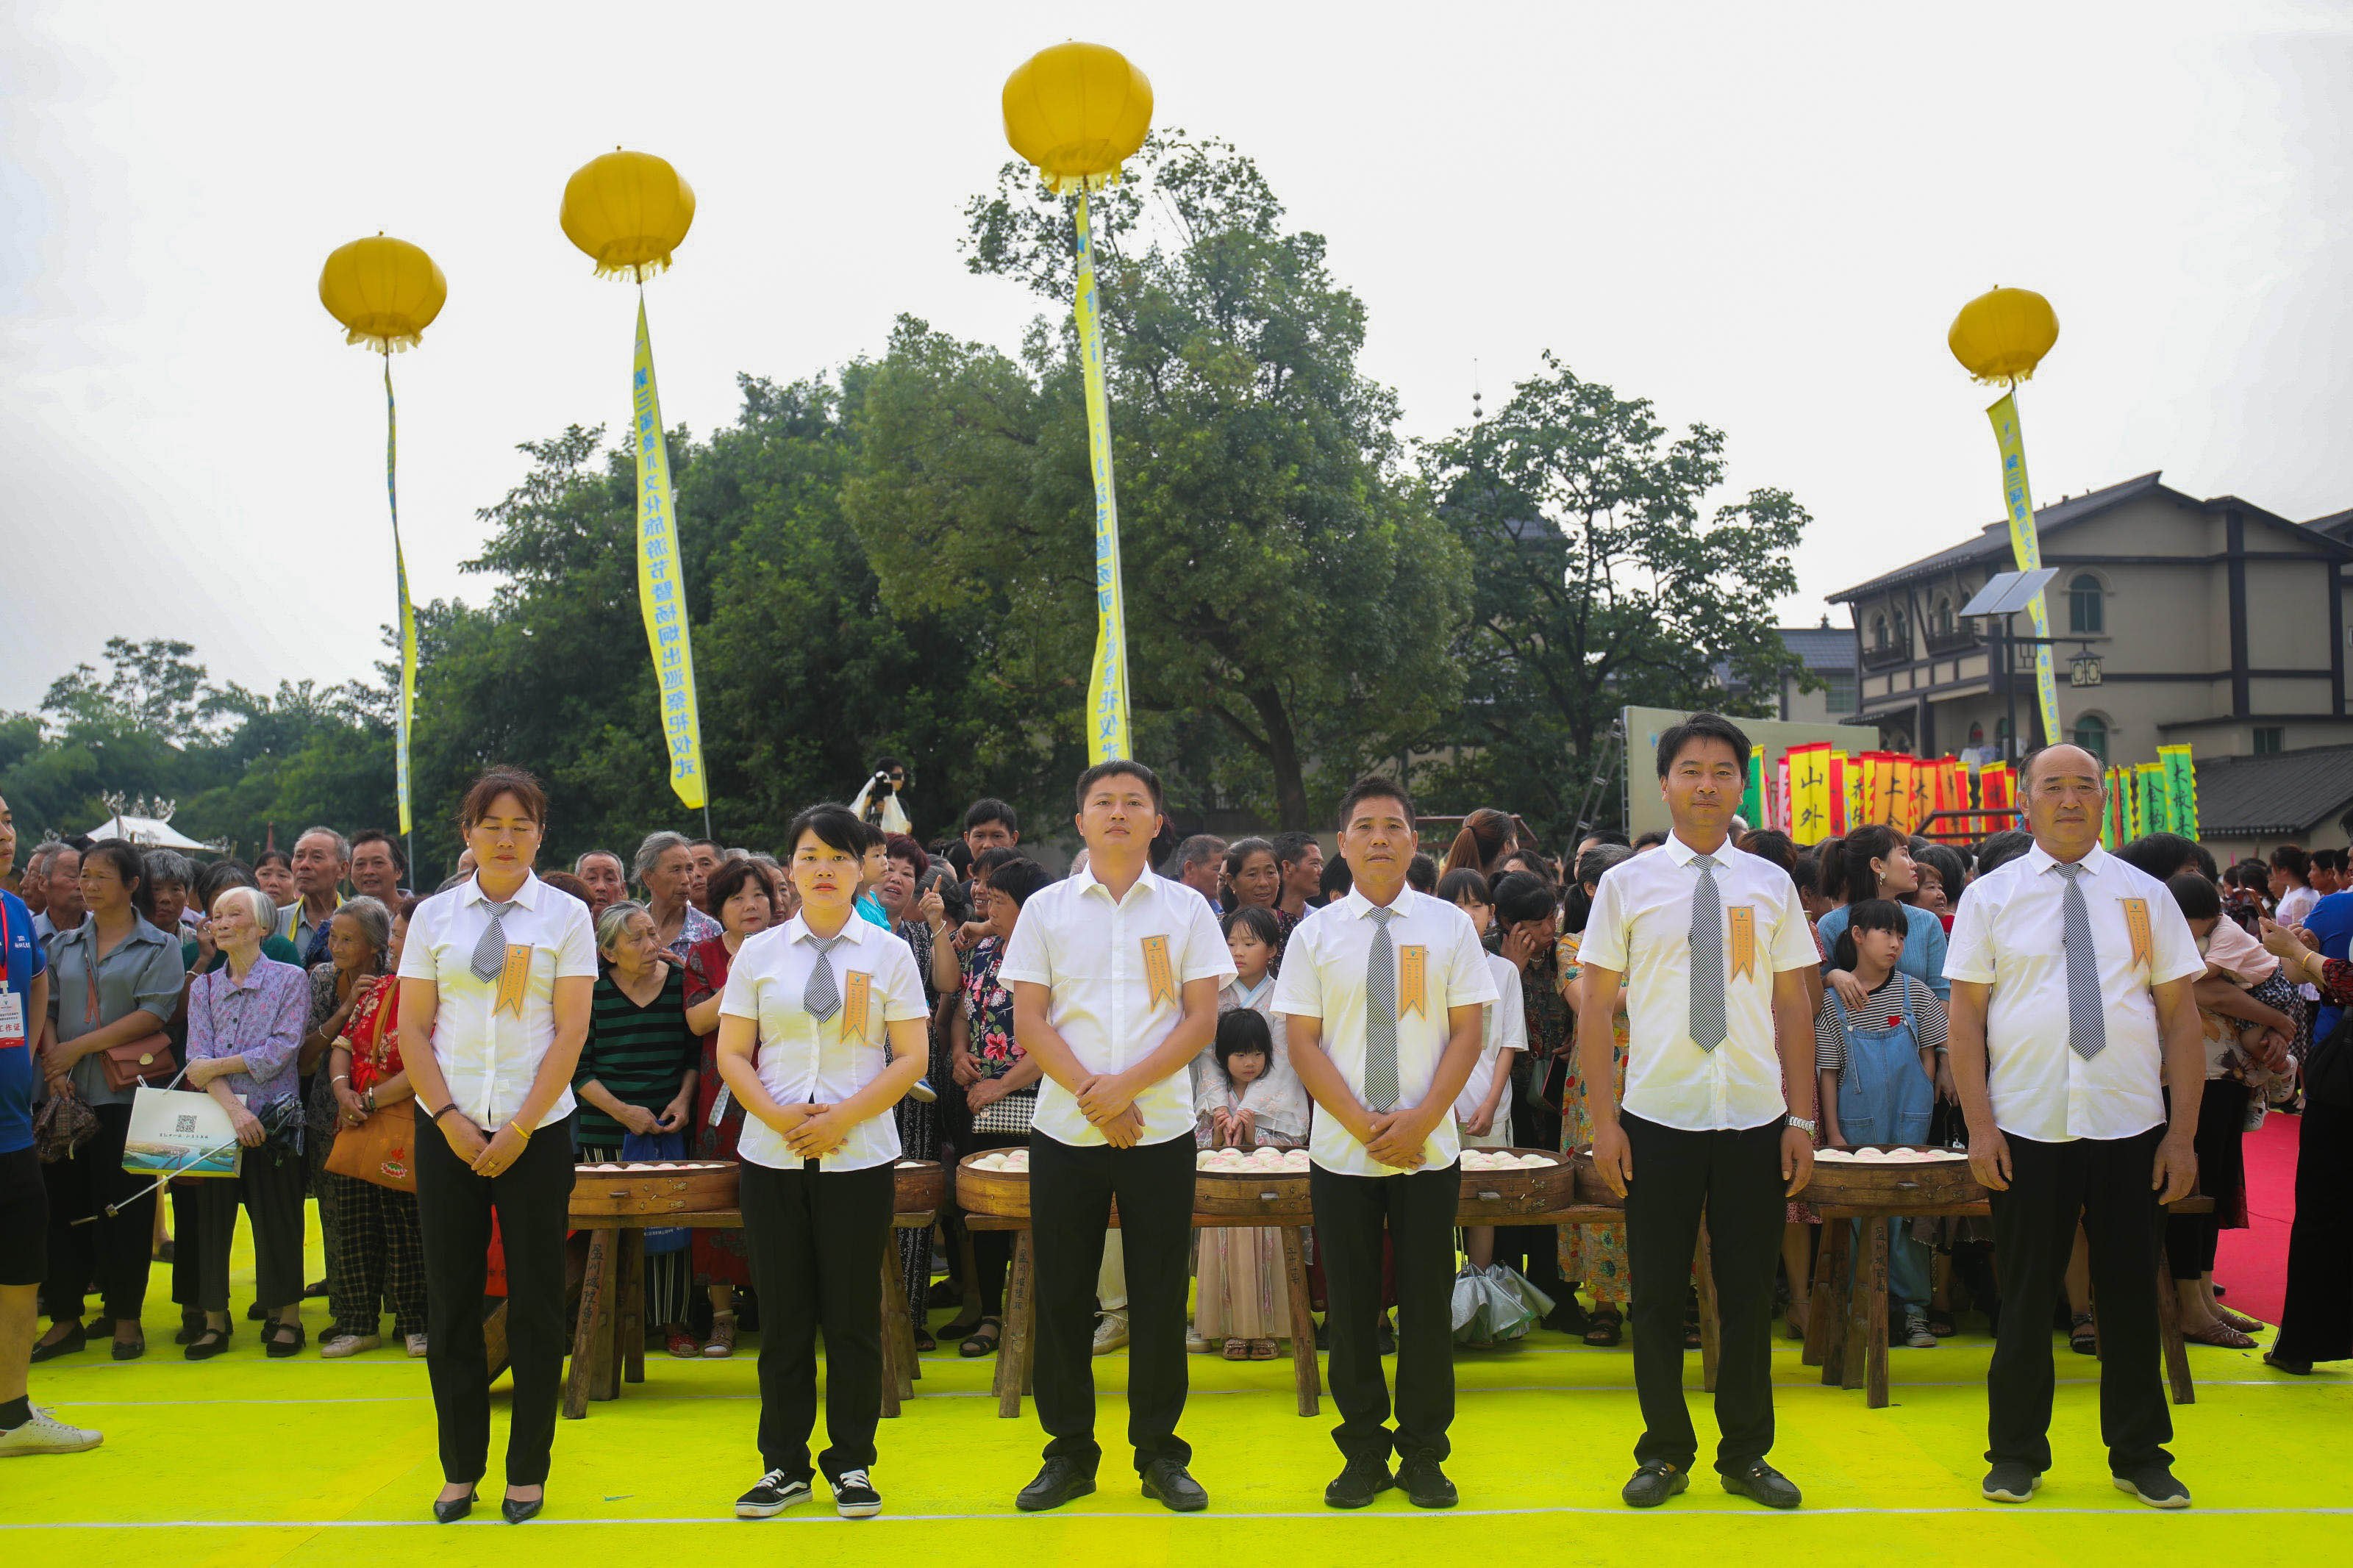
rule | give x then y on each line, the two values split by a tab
1878	1072
1483	1111
873	869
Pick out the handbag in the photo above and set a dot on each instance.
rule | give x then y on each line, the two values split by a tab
1007	1116
380	1150
180	1132
147	1059
62	1126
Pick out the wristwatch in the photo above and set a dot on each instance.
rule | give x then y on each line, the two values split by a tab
1805	1124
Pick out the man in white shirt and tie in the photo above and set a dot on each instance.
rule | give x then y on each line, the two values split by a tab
1712	947
2072	1015
1381	993
1115	974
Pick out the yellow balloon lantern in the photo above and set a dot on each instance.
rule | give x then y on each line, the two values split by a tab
628	211
2001	336
385	291
1077	111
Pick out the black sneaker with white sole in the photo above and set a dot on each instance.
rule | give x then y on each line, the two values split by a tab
2011	1481
774	1493
2153	1483
854	1496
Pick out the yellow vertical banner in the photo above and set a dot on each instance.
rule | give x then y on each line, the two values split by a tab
407	610
1107	678
2026	550
1809	792
662	579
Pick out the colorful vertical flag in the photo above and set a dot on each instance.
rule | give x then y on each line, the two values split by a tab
2182	787
1811	793
1752	799
407	610
1107	735
2026	549
662	579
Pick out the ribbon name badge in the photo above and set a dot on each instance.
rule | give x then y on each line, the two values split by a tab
1413	971
2143	947
854	997
1743	941
1158	973
512	978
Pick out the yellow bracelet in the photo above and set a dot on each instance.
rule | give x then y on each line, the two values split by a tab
516	1128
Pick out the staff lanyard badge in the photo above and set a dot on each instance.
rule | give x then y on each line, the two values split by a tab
11	1006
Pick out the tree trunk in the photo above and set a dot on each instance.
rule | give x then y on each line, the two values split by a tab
1282	756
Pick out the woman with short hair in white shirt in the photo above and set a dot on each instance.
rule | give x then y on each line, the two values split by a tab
810	1009
496	983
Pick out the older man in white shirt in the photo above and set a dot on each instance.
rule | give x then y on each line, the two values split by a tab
2071	1018
1115	974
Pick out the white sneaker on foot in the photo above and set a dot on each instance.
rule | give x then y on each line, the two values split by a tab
44	1434
341	1345
1917	1335
1111	1333
417	1347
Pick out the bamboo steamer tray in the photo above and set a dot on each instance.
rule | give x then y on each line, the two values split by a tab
1492	1198
918	1188
685	1187
999	1195
1944	1183
1590	1188
1270	1197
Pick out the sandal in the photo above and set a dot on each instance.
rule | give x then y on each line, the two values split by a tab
1262	1350
2241	1321
280	1340
1605	1330
924	1341
1941	1322
2294	1368
721	1342
2080	1337
983	1339
1237	1350
2219	1334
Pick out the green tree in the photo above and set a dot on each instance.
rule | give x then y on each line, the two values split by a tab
1601	583
1284	578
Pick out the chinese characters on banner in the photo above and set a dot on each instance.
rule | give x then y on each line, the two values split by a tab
661	580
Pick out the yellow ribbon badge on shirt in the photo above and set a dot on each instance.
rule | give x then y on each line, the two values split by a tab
2144	946
853	1004
512	978
1157	971
1743	941
1413	969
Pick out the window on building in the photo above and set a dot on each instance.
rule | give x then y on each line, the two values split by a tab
2085	612
1838	695
1902	633
2270	741
1943	623
2092	734
1879	633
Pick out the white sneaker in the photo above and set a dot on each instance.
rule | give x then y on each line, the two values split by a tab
1111	1333
341	1345
417	1347
44	1434
1917	1333
1195	1344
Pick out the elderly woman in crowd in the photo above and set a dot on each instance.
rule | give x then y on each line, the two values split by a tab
383	1254
273	873
665	869
167	888
745	901
636	1083
245	1031
1253	880
342	991
114	980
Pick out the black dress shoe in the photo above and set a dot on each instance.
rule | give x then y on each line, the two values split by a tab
456	1509
1654	1484
516	1512
74	1340
1060	1480
1174	1488
1358	1484
254	1313
131	1349
208	1344
1763	1483
191	1325
1424	1484
315	1292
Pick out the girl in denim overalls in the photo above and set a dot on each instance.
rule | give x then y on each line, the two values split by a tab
1878	1072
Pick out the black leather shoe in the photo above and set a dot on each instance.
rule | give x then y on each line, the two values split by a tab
1654	1484
1059	1481
1357	1485
191	1325
131	1349
66	1346
1424	1484
456	1509
516	1512
1167	1483
1763	1483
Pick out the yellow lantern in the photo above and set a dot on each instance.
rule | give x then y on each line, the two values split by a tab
2001	336
628	211
385	291
1077	111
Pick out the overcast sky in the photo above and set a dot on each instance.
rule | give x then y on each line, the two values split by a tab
1763	218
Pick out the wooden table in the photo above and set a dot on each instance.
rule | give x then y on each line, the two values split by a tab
608	1347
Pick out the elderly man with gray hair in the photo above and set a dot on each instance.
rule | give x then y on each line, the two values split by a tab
321	857
665	869
1195	864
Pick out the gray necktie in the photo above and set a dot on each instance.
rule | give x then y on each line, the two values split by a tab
1708	1028
1381	1016
491	953
2087	1020
821	997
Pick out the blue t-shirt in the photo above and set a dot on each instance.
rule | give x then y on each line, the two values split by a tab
870	906
2331	920
1923	946
24	959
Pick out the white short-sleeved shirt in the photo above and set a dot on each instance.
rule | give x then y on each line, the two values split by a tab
488	1058
1324	978
1640	927
1503	1028
1088	950
2010	934
803	1062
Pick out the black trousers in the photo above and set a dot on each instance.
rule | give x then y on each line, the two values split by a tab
111	1249
816	1239
2192	1240
2105	1180
269	1184
1070	1193
1734	1177
1418	1210
2316	1324
532	1199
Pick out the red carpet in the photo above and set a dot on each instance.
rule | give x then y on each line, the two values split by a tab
2253	1263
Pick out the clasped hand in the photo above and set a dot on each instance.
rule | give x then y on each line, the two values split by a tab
1398	1139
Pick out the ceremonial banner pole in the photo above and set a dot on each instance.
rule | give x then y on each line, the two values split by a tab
1107	678
408	616
2026	549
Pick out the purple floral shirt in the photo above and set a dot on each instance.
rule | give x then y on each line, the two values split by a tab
261	1020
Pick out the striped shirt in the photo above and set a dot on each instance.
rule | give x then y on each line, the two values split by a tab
640	1055
1883	1009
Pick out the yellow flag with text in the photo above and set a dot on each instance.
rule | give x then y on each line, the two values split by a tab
2026	549
662	579
1107	677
